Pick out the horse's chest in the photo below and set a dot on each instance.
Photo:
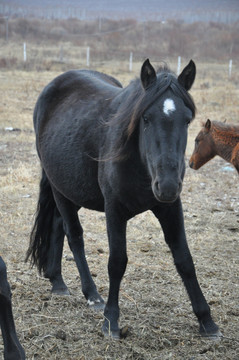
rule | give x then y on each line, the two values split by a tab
134	195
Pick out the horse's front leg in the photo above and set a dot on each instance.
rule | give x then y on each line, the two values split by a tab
171	219
116	228
12	346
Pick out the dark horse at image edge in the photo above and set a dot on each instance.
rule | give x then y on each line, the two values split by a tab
12	347
117	150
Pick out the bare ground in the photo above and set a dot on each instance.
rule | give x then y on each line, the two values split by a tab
153	301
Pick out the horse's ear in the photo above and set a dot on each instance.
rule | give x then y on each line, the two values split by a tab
208	125
148	74
187	76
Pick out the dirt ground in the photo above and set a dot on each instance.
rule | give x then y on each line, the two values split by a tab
153	301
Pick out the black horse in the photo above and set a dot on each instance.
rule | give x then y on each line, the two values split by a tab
12	347
117	150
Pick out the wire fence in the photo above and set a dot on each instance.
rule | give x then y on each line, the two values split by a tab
62	57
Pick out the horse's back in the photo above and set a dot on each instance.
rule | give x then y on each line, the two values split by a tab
104	77
70	88
75	103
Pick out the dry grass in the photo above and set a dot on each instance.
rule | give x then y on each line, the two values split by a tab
153	301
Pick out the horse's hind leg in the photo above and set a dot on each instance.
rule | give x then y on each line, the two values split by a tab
47	237
74	233
54	256
171	219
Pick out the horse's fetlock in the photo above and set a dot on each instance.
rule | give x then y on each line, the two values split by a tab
203	314
111	315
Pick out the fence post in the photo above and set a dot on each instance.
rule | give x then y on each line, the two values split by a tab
88	56
100	23
179	65
230	69
6	21
130	61
24	52
61	54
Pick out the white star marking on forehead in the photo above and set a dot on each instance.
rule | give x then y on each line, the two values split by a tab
168	106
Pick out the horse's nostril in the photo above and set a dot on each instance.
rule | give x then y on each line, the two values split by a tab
156	184
166	191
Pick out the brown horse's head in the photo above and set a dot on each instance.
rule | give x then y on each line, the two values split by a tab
204	149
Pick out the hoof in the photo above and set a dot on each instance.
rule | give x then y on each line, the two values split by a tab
213	336
115	334
210	330
97	304
60	291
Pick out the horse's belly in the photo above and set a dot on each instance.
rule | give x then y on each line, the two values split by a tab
82	191
74	175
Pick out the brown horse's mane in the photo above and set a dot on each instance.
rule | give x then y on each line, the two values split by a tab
228	132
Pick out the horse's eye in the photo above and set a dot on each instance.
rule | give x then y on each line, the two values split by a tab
146	119
197	141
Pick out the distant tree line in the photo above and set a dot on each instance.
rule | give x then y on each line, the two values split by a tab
110	38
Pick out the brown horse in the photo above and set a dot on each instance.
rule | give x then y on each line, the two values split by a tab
216	138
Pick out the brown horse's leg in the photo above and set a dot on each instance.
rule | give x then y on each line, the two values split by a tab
12	347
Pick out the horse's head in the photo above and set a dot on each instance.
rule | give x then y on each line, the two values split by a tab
204	147
164	127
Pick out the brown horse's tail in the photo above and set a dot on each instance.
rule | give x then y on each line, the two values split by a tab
43	226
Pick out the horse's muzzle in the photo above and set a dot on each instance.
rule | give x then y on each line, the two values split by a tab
194	164
167	191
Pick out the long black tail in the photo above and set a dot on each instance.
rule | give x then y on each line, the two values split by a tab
41	231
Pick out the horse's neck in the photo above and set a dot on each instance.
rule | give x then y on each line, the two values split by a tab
225	141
